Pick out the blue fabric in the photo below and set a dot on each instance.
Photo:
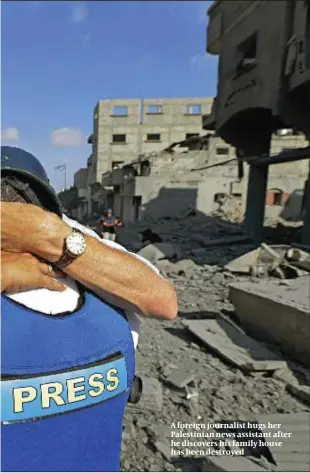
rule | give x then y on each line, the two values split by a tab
33	344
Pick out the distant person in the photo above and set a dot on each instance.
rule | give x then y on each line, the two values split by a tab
109	222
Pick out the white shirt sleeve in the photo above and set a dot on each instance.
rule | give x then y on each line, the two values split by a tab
133	318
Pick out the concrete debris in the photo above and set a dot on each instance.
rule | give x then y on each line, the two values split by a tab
182	267
293	431
158	251
180	378
223	391
152	396
235	346
278	261
302	392
164	449
276	314
230	208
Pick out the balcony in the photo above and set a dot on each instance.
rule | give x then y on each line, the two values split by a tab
214	29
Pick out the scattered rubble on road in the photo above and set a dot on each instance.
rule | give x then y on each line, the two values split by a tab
197	382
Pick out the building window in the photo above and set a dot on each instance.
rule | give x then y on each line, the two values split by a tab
190	135
153	137
275	197
120	111
222	151
153	109
247	51
119	139
194	109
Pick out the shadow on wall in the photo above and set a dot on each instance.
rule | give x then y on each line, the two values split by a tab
293	209
170	203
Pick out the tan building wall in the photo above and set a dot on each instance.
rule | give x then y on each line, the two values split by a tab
174	186
124	129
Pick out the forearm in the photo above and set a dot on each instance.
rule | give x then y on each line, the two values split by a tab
117	275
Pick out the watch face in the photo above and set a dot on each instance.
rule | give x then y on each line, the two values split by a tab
76	244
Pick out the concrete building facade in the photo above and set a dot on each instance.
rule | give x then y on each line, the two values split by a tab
170	183
123	129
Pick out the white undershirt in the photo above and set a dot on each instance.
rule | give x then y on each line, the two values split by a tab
54	303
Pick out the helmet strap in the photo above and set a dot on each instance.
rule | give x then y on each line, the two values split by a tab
24	190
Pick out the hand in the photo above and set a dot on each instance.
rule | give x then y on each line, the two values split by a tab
23	271
26	228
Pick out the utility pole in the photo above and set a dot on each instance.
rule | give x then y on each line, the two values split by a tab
62	168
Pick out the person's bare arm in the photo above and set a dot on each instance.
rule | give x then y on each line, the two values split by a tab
26	228
23	271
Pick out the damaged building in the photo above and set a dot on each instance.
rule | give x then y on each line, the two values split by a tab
194	173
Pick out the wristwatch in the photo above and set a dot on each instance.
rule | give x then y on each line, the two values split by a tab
74	246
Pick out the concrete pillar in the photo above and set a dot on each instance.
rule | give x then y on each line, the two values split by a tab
255	207
305	238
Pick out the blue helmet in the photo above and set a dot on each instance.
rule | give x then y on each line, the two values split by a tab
18	162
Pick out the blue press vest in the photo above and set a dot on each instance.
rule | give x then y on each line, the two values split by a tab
65	384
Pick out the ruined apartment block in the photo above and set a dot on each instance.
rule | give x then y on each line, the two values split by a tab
125	128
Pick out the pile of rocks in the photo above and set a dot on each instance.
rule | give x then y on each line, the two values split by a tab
231	208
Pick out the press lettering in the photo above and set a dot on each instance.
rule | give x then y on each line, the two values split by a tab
22	396
111	376
58	393
51	391
73	389
94	382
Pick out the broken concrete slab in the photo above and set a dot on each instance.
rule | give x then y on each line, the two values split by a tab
158	251
165	266
276	313
180	378
182	267
294	452
234	346
300	391
269	257
243	264
152	396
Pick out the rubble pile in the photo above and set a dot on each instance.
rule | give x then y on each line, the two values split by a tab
230	208
196	369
